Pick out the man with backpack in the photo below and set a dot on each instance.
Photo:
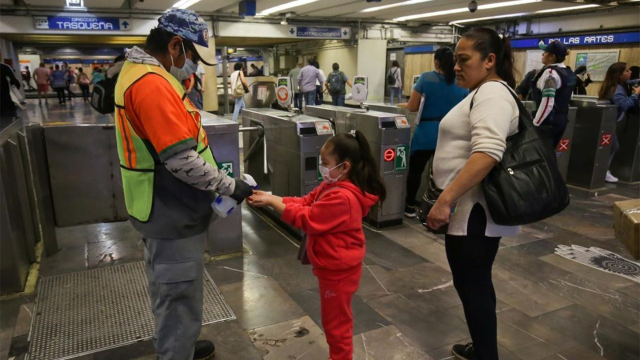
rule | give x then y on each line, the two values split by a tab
394	80
336	85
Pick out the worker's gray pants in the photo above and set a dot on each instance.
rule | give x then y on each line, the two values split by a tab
174	271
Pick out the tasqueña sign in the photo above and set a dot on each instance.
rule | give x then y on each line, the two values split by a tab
87	23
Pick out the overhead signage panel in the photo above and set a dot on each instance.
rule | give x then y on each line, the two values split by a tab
581	40
85	23
320	32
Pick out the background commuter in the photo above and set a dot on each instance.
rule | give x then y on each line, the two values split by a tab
319	87
115	69
523	90
552	89
255	71
293	75
8	109
84	82
237	79
200	82
26	78
394	80
41	76
619	90
635	72
332	215
307	82
70	77
336	85
471	142
441	95
170	184
583	79
192	87
97	76
58	83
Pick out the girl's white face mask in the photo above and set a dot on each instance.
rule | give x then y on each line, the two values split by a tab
326	173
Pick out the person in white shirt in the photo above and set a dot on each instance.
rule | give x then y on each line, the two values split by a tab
319	87
471	141
394	80
236	78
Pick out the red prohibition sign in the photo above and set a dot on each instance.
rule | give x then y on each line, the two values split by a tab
563	145
389	155
606	139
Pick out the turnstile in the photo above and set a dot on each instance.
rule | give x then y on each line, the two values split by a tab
626	163
395	109
224	235
389	136
594	125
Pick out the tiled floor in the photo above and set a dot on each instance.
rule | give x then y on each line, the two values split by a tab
406	308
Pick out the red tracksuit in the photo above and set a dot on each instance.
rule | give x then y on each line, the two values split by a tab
331	215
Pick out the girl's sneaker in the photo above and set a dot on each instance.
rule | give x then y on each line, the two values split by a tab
410	211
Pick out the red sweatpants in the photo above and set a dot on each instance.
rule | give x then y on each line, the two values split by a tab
336	292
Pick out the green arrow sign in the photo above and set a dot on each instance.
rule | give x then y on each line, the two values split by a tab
402	157
227	168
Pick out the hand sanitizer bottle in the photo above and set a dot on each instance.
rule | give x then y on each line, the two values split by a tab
224	205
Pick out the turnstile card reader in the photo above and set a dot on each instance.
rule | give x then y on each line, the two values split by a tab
284	92
360	89
389	136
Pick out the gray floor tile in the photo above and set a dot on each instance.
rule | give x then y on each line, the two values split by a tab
434	252
231	341
289	273
632	291
408	236
234	270
577	353
537	329
370	285
517	261
268	244
94	233
65	261
612	281
424	277
535	351
513	338
114	252
437	299
389	254
291	339
386	343
259	302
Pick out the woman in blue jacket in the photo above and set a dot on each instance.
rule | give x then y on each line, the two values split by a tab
619	90
441	94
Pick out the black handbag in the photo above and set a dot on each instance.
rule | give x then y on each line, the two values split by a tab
429	199
526	186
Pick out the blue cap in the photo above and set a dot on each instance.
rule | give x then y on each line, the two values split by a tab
190	26
556	48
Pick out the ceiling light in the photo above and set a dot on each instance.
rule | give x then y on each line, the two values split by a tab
285	6
486	18
185	4
568	8
410	2
461	10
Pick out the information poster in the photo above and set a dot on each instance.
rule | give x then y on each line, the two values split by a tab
597	62
533	61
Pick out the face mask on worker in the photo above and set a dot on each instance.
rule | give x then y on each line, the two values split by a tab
180	73
326	174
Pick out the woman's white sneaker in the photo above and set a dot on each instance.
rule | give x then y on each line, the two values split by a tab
610	178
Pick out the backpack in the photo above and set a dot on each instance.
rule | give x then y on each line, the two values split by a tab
336	85
103	95
391	77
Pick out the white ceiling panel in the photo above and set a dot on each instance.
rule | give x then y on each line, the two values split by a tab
215	5
111	4
153	4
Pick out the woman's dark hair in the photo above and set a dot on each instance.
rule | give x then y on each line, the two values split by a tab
57	67
612	80
635	72
80	70
487	41
395	63
119	58
444	56
364	170
159	39
581	69
238	66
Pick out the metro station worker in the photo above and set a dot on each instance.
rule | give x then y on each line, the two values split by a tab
441	94
169	176
552	89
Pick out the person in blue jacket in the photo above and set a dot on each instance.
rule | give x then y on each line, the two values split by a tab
619	90
441	94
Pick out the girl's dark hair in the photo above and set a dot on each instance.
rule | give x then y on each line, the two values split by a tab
612	80
364	170
395	63
238	66
487	41
444	55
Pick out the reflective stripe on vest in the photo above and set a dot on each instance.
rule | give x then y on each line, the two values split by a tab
137	163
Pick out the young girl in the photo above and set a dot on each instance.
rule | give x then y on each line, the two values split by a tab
331	215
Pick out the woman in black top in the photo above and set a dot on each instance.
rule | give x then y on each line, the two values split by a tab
583	79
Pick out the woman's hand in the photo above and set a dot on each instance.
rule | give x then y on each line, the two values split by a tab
636	90
260	199
439	215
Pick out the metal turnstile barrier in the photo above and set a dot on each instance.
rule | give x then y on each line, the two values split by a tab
224	235
395	109
389	136
626	162
594	125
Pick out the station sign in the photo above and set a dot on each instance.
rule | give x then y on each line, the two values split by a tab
320	32
421	49
86	23
581	40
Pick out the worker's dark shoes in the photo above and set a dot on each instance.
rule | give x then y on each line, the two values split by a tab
204	350
464	352
410	211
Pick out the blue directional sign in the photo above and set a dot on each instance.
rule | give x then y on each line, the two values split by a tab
581	40
320	32
85	23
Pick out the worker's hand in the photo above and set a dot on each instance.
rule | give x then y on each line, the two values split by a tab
188	91
260	199
241	191
439	215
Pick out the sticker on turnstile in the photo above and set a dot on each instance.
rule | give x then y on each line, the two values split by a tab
401	157
606	140
262	93
227	168
563	145
323	128
402	122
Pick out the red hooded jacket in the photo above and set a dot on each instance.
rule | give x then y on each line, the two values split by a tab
331	215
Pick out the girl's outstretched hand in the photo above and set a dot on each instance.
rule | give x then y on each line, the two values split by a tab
260	199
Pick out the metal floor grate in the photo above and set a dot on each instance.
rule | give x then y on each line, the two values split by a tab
95	310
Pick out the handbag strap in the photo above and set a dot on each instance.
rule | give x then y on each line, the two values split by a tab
524	118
